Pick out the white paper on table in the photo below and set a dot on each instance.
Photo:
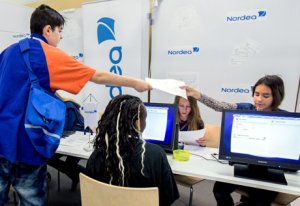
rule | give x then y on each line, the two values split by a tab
72	142
205	152
171	86
190	137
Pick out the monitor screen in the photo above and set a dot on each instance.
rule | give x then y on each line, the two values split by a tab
268	139
161	125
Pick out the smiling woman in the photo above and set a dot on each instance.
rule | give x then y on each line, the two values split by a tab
267	94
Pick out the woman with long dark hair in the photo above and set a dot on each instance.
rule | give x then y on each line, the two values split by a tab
121	157
267	94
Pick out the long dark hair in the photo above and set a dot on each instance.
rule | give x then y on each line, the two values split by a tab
117	136
275	83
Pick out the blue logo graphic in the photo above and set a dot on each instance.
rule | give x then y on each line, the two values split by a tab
191	51
246	17
106	29
196	49
262	13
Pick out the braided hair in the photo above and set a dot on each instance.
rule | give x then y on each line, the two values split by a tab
116	137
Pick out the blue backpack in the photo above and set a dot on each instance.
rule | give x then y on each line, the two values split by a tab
45	113
74	120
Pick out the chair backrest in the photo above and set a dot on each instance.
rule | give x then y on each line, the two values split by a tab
212	135
96	193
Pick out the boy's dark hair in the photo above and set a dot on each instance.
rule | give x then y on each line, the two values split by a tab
275	83
43	16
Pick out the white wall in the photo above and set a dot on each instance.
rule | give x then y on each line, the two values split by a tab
232	54
72	43
14	23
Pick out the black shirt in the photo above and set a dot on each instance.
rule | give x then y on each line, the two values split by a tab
184	126
156	169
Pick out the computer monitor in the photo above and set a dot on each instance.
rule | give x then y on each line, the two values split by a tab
261	145
161	126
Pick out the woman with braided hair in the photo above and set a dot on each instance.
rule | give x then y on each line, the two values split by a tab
121	157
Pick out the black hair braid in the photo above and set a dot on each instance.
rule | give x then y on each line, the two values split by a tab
127	107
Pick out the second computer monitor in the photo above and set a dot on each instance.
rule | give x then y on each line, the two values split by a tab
161	125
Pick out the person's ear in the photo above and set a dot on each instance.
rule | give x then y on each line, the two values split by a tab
47	30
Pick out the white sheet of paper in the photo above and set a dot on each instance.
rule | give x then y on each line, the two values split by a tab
190	137
72	143
205	152
168	85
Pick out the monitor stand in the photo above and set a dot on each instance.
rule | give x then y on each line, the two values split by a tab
175	143
262	173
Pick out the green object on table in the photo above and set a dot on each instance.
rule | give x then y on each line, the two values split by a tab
181	155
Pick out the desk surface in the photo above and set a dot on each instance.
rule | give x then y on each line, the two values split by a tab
204	167
213	170
77	145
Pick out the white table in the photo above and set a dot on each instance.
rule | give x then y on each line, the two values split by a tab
77	145
197	166
213	170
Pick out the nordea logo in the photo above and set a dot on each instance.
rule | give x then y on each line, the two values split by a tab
235	90
183	51
247	16
105	32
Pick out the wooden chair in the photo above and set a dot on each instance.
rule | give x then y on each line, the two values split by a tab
96	193
188	181
212	136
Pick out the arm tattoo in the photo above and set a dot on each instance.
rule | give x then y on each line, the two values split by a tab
216	105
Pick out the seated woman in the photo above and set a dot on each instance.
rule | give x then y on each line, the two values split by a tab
189	117
121	157
267	95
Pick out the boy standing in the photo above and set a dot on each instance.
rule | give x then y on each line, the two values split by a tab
20	164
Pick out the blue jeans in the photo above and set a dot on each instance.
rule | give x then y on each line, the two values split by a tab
29	182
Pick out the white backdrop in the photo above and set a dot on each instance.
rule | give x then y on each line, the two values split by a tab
224	47
13	28
122	32
229	51
72	43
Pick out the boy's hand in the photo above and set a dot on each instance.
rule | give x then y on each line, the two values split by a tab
142	86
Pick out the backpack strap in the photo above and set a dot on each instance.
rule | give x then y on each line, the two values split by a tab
24	46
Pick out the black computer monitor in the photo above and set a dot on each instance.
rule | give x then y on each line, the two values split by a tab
161	126
261	145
